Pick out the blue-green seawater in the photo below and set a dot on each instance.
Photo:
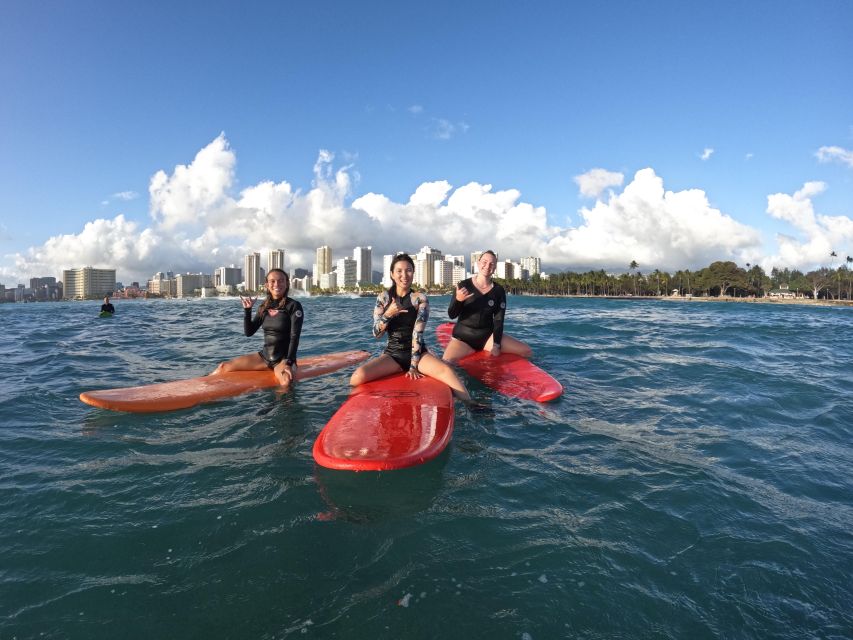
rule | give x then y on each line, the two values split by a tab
694	481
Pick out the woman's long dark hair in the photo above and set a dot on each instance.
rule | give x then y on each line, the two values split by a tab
398	258
269	301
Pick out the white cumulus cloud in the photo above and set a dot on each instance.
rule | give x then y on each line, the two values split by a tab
816	235
707	152
835	154
593	183
199	222
657	228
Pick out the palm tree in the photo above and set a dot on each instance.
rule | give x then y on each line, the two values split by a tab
834	255
849	280
633	267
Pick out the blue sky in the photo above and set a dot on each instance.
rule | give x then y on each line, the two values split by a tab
590	134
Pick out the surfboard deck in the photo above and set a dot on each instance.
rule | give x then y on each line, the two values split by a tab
385	424
105	314
182	394
508	373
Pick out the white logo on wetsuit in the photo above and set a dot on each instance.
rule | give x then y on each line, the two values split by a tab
503	305
298	314
491	303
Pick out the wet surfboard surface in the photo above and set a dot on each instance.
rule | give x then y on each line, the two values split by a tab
507	373
182	394
385	424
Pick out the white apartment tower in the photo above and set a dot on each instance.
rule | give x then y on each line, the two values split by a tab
346	270
386	270
443	273
363	257
323	263
275	259
505	270
533	265
425	261
252	271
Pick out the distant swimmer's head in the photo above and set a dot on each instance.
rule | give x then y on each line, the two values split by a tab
278	283
106	299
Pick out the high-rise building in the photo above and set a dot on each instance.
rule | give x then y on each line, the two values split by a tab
533	265
443	273
363	257
227	276
329	281
475	258
323	262
346	270
88	282
458	274
275	260
425	261
386	269
505	270
252	271
186	284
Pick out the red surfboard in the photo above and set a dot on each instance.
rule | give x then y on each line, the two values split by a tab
390	423
508	373
181	394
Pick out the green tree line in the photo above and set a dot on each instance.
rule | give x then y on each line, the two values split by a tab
721	278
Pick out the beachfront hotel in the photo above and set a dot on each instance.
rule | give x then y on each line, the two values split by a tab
275	260
363	257
322	263
88	282
252	271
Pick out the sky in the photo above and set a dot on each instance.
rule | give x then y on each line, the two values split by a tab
155	136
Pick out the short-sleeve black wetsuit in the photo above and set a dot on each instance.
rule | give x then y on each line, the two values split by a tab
480	316
406	330
282	327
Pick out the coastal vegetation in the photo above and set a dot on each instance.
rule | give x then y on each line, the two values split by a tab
720	278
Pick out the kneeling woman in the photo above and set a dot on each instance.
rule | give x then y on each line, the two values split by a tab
480	305
281	317
402	314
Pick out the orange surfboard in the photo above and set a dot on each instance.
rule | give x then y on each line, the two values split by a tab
390	423
181	394
507	373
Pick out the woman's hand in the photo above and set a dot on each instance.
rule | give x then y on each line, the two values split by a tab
414	374
394	309
496	350
248	302
284	373
462	294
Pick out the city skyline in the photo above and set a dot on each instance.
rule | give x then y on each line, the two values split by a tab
585	137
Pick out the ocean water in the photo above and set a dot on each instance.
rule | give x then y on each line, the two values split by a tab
694	481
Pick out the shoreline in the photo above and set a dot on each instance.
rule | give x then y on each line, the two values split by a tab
781	301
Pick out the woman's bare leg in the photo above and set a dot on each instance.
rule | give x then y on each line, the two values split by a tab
374	369
510	345
455	351
249	362
435	368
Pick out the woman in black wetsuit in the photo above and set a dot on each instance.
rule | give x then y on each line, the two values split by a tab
281	318
402	314
480	305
